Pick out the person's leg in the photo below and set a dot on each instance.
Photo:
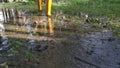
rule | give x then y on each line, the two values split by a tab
48	7
39	4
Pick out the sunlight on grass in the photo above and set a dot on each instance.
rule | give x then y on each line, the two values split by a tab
101	7
74	7
19	5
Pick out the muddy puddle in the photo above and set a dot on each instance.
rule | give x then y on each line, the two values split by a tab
54	41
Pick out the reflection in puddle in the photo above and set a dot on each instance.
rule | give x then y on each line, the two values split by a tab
94	47
40	24
3	37
50	26
19	24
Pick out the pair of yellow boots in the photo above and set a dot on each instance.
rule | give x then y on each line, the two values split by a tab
48	6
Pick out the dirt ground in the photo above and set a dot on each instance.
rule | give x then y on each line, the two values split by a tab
58	45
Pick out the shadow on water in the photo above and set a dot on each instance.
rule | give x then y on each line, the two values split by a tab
55	42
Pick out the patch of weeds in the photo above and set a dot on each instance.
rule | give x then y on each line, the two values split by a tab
4	65
20	53
116	31
115	27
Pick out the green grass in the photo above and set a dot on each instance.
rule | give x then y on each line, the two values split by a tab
30	5
75	7
99	7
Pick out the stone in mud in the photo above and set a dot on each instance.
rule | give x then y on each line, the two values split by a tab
40	48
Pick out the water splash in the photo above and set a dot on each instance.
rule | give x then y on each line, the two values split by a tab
4	43
3	38
30	33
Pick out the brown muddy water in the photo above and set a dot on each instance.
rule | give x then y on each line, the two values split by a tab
55	42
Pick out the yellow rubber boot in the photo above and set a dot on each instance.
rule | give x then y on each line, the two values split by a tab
39	4
48	7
